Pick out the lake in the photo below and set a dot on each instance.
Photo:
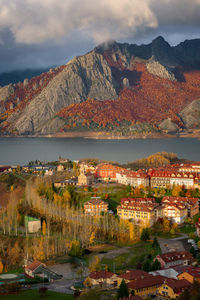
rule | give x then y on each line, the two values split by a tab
22	150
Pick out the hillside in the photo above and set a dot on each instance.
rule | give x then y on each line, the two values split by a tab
119	88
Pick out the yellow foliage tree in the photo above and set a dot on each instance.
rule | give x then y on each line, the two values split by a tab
166	225
44	227
176	190
95	264
1	267
92	238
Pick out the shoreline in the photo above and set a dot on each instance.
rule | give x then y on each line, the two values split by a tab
103	136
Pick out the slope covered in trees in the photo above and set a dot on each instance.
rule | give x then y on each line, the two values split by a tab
149	99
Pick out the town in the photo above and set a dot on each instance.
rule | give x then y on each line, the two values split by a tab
90	228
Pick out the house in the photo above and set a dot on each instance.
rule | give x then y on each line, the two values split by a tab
85	178
132	178
33	268
176	212
175	258
131	275
146	287
37	268
103	278
60	168
32	224
192	204
107	172
172	288
169	273
136	297
190	274
141	210
95	206
167	177
68	182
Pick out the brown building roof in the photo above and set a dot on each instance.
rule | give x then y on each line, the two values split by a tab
95	201
34	265
101	274
178	285
134	274
136	297
146	282
175	255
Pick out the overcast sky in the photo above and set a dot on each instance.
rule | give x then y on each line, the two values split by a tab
41	33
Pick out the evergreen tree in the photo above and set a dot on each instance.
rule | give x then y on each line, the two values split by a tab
145	234
155	243
122	290
156	265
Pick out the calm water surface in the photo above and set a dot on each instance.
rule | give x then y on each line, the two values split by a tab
22	150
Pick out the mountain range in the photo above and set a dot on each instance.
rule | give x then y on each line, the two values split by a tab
117	88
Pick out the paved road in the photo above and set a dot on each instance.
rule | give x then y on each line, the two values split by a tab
176	244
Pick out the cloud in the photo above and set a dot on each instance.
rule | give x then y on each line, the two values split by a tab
38	21
49	32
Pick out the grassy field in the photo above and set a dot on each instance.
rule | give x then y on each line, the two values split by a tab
129	260
34	295
187	228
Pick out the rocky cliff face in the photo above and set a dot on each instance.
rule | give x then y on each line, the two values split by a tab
190	115
107	73
83	77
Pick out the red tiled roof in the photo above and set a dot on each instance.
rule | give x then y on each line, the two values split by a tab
136	297
146	282
101	274
34	265
174	256
134	274
178	285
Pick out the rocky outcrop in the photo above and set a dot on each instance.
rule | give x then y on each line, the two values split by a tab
190	115
155	68
168	125
83	77
6	92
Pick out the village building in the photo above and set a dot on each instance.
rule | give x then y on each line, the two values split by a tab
135	179
175	258
107	172
131	275
176	213
136	297
165	178
141	210
95	206
32	224
60	168
189	168
31	269
172	288
68	182
85	178
146	287
191	274
37	268
103	279
192	204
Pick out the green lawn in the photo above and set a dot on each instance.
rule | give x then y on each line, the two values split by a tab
130	259
34	295
187	228
166	235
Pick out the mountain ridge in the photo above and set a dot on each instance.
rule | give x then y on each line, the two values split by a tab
128	84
